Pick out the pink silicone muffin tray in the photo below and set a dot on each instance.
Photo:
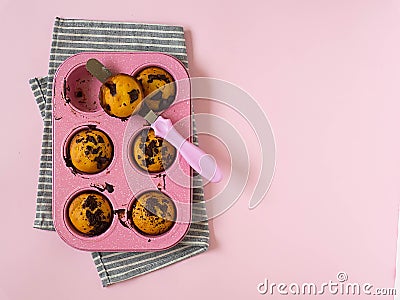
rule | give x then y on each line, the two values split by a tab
76	106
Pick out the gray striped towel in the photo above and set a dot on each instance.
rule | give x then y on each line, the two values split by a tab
73	36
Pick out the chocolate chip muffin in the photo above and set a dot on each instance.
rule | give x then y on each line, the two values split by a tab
153	213
157	83
90	151
151	153
90	213
121	95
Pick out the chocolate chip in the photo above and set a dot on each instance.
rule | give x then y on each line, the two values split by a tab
148	150
100	139
101	160
88	150
133	95
112	87
96	150
96	220
149	161
91	139
90	202
162	77
78	94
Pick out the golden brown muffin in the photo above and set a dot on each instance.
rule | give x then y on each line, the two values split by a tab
90	151
121	95
90	213
152	154
160	82
153	213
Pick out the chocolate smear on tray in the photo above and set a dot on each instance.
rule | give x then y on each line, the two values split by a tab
121	217
66	89
103	187
69	164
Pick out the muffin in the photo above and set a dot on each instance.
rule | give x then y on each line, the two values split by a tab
90	151
90	213
157	83
120	95
151	153
153	213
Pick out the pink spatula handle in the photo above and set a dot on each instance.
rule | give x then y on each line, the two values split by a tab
200	161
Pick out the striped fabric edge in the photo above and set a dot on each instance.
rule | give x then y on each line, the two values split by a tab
43	217
116	24
159	261
39	87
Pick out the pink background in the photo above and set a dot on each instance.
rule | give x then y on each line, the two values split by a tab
326	73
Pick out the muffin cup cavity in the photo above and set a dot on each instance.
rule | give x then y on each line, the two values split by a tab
88	150
88	214
150	154
81	90
152	213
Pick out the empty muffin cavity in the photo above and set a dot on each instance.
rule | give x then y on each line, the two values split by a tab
81	90
89	213
88	150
